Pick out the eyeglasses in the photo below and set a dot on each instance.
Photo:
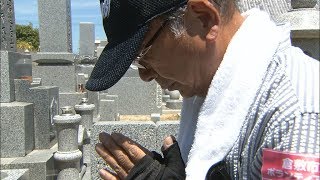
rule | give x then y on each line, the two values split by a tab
148	46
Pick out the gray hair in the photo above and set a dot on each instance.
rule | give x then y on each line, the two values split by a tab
177	26
177	23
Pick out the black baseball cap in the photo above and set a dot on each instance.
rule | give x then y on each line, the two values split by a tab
125	23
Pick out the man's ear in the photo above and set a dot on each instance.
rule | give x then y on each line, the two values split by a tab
209	16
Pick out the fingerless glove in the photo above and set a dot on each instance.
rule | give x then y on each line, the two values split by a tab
156	167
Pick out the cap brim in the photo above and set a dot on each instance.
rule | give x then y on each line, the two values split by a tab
114	61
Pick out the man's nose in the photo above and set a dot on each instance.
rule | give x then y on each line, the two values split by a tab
147	74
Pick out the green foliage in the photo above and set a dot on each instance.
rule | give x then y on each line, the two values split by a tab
27	37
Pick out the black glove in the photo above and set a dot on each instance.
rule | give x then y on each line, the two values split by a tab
169	167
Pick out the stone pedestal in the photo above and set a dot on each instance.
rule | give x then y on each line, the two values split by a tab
17	129
18	174
86	112
40	164
53	58
68	155
63	76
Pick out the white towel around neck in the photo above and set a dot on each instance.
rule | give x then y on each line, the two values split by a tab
230	95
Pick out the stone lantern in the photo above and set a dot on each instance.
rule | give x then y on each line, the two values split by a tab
68	155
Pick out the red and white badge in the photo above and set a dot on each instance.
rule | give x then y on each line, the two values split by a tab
285	165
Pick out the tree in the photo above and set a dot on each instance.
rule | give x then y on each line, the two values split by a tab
27	37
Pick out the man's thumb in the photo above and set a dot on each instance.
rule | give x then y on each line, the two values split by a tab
172	155
167	142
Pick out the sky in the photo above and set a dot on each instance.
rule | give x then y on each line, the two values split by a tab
26	11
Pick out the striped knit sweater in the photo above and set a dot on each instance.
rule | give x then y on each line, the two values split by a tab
283	116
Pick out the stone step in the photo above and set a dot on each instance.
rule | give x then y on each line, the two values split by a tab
40	164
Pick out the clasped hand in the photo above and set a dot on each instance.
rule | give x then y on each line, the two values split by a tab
129	160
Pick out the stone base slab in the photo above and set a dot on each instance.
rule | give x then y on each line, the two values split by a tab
16	174
53	58
40	163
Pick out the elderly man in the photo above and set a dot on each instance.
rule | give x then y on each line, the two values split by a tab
251	100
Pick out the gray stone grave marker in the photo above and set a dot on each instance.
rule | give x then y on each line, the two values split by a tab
8	27
62	76
9	58
46	105
9	61
137	97
101	46
54	32
86	39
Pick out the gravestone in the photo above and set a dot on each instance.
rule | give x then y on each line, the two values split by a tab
55	60
86	39
108	107
17	118
87	56
304	26
9	72
46	104
136	97
63	76
101	46
54	32
9	57
8	27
